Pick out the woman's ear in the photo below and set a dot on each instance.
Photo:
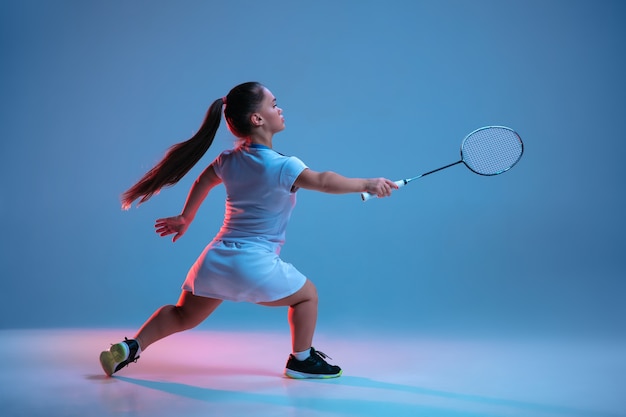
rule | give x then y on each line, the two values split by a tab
256	119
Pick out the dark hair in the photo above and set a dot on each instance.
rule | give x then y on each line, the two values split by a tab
243	100
240	103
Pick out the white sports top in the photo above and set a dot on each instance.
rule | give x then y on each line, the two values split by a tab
259	195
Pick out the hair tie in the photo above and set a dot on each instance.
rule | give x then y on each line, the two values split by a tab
224	100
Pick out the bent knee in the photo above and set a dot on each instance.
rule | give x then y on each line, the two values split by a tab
308	293
186	321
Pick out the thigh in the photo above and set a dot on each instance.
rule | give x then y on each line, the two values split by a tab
306	293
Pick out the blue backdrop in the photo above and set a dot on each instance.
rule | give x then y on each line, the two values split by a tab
93	93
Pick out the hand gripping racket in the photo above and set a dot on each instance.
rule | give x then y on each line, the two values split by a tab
489	150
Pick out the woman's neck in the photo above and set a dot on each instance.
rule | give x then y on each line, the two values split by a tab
260	139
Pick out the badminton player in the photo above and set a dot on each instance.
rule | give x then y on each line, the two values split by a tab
242	261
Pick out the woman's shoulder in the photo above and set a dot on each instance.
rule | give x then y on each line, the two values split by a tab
227	153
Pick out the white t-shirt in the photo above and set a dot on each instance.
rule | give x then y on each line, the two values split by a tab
259	194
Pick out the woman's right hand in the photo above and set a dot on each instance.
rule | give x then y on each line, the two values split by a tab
381	187
170	225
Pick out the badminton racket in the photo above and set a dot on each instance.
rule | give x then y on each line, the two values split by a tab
490	150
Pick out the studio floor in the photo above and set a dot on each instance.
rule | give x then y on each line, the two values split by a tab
216	373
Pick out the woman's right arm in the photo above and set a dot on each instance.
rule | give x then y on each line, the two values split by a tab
333	183
199	190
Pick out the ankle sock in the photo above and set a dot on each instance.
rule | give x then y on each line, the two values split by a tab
301	356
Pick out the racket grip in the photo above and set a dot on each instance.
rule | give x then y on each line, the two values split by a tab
367	196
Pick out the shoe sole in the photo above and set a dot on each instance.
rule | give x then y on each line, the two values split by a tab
110	359
301	375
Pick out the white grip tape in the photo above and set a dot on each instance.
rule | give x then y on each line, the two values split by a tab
367	196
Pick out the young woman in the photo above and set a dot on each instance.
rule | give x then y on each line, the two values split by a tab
242	262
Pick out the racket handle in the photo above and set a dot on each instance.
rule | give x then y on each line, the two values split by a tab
367	196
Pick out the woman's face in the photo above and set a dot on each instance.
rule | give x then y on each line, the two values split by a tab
270	114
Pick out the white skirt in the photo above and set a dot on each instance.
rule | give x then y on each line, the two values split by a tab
243	270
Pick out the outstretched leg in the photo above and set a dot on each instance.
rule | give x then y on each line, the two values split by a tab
190	311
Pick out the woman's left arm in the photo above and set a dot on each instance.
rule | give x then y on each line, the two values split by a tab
199	190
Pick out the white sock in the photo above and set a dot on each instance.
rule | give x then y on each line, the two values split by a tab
302	355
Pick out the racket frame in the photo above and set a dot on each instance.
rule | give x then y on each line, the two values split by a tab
401	183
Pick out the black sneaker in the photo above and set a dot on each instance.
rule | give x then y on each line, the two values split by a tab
314	366
119	356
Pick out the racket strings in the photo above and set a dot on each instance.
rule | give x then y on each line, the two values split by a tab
492	150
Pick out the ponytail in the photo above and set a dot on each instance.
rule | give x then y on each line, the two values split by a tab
178	160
